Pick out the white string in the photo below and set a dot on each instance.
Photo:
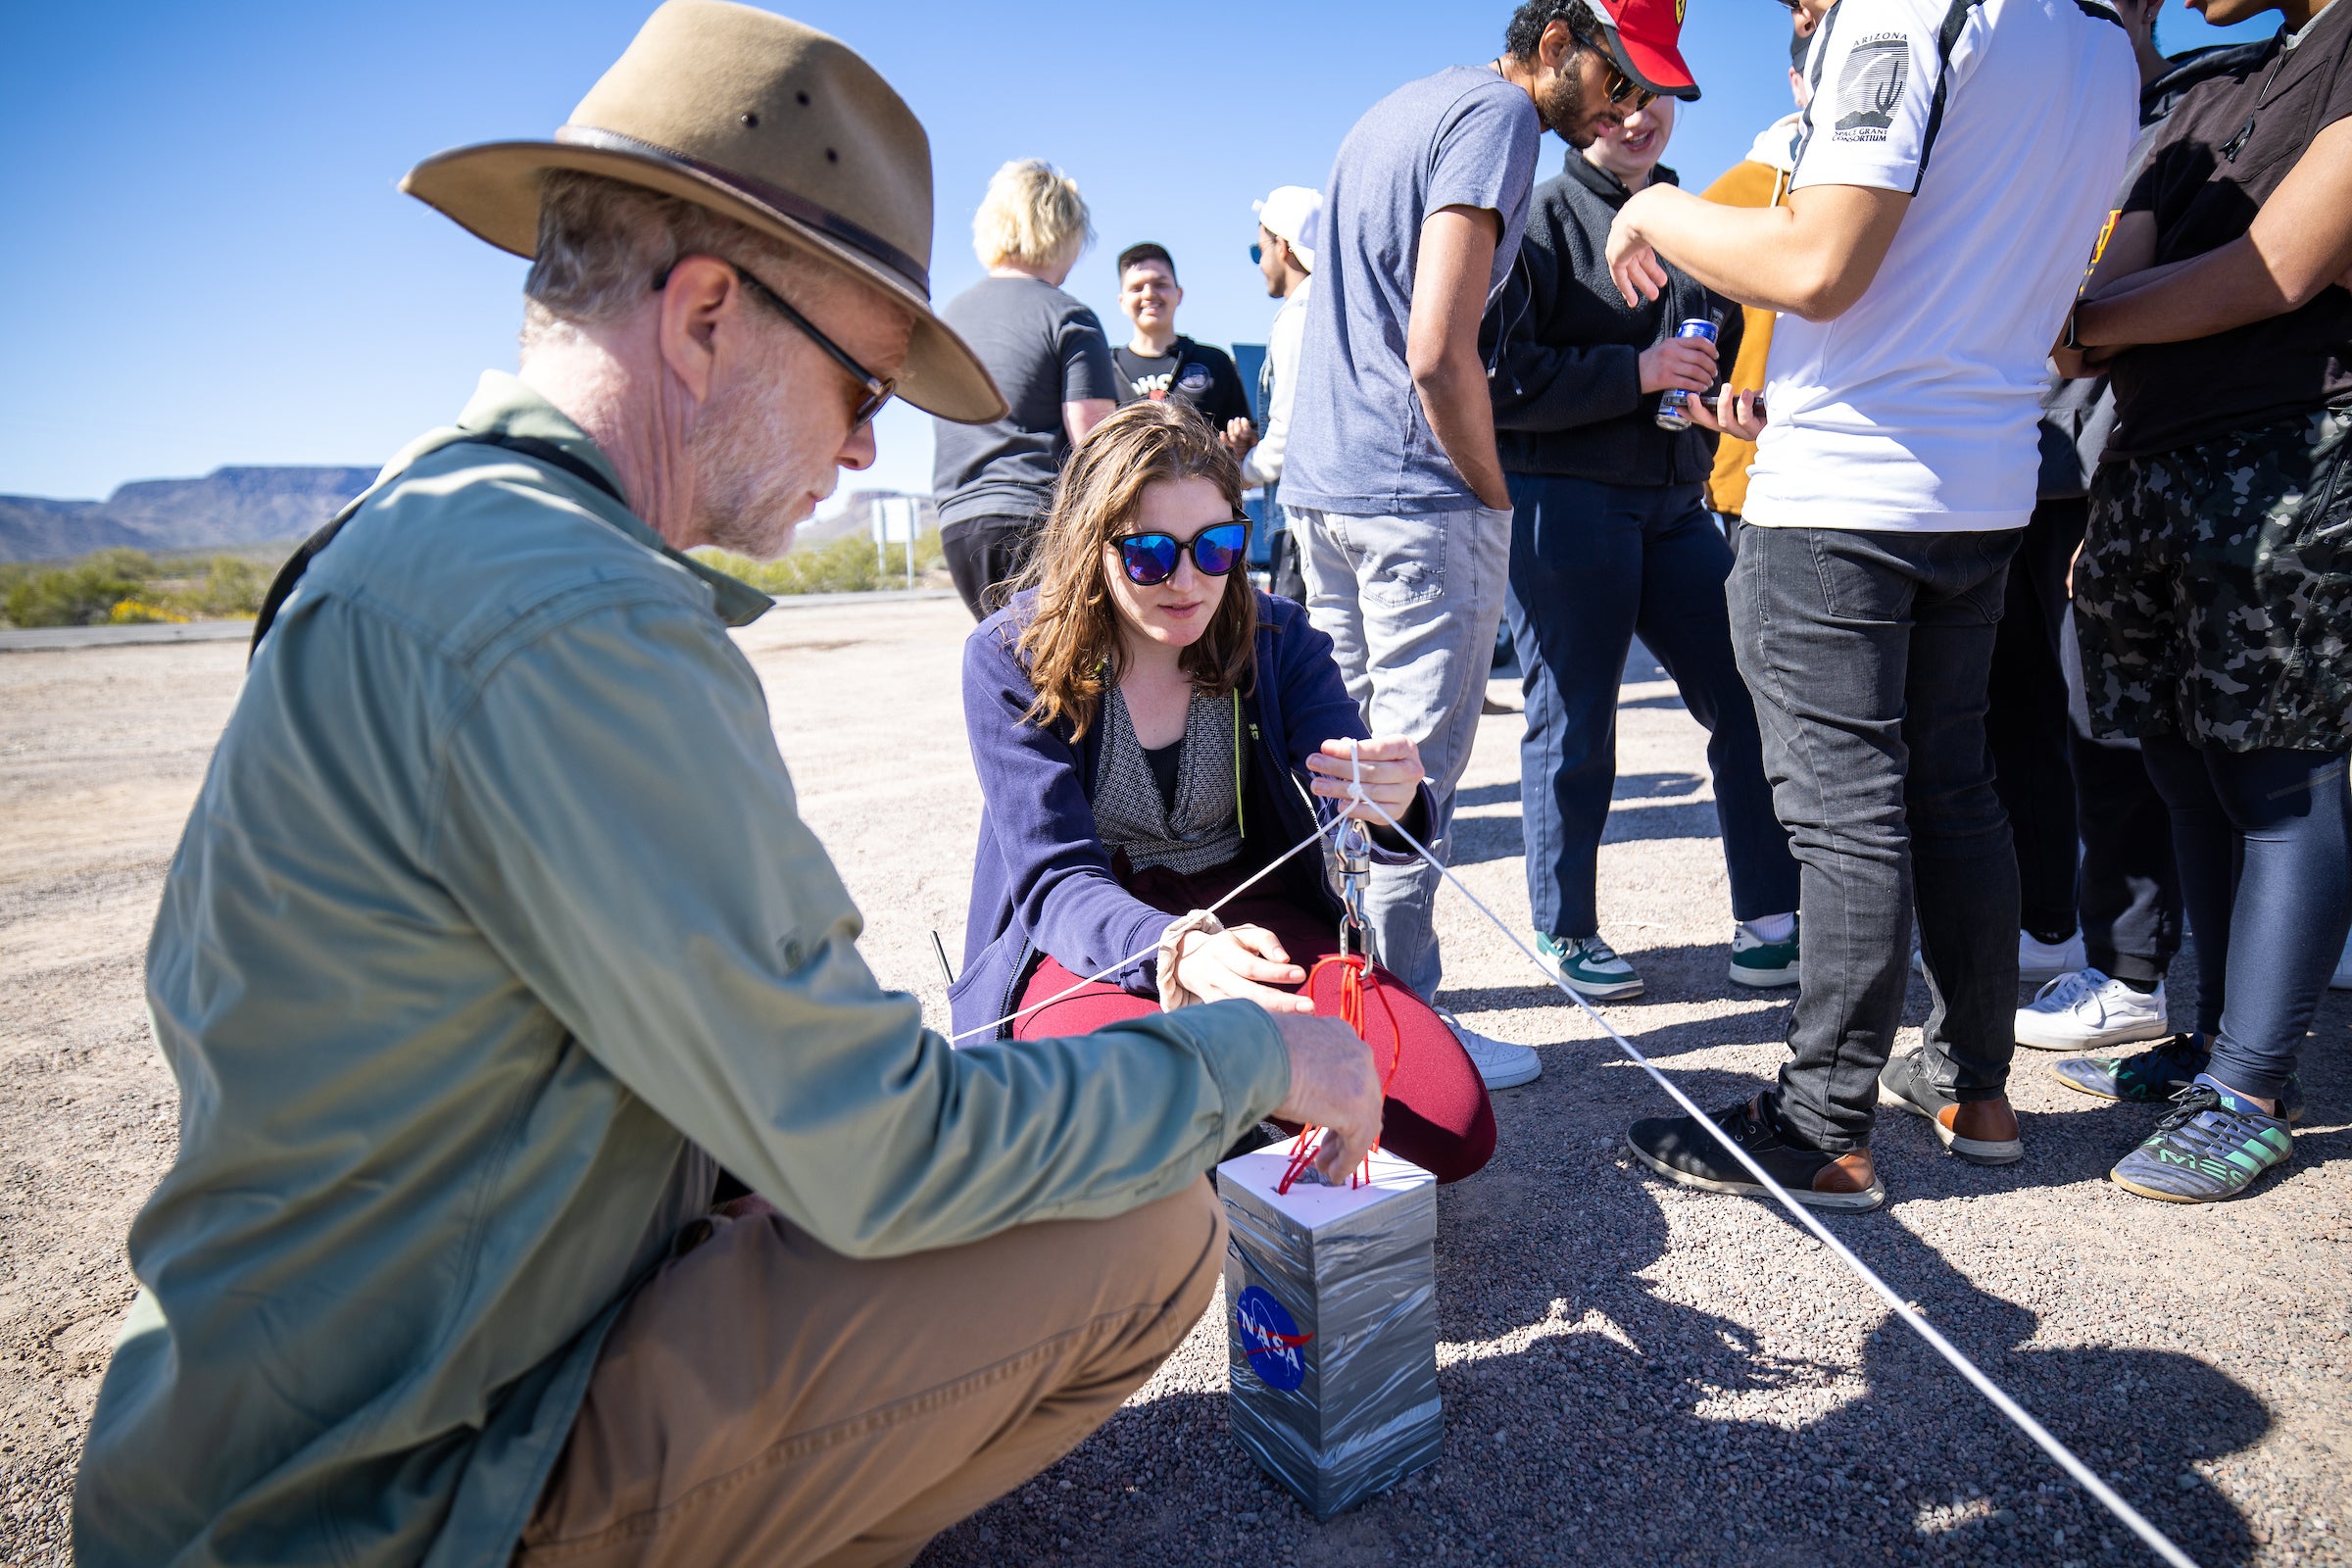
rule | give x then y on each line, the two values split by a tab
1144	953
2156	1539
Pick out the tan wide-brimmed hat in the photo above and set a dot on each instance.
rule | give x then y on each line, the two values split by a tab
773	123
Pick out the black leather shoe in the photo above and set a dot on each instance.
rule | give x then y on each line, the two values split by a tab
1683	1150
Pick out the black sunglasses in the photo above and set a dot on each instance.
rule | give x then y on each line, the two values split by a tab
878	391
1151	557
1620	85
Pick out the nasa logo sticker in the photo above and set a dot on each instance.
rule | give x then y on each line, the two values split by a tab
1270	1339
1194	379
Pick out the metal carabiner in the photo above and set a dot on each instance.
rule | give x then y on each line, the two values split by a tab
1353	850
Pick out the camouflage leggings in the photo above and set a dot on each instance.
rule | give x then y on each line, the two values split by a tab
2214	594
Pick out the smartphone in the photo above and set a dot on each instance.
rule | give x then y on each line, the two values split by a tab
1709	398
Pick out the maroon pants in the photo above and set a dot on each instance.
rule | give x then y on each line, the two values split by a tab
1436	1114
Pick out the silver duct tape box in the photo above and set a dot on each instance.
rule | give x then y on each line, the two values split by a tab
1331	1296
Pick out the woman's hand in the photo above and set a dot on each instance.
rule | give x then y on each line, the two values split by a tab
1392	774
1688	362
1244	961
1741	418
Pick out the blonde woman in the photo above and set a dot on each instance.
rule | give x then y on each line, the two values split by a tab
1150	732
1048	354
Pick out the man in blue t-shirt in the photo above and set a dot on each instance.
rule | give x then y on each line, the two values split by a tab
1391	479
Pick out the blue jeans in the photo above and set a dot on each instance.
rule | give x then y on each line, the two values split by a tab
2266	861
1868	654
1593	565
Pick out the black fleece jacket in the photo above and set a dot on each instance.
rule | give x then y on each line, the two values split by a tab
1563	346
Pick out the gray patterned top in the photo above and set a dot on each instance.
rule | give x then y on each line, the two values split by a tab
1203	827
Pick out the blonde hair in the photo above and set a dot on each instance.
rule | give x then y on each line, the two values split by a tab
1032	214
1072	643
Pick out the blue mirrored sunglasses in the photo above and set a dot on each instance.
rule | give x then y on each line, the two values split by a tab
1151	557
1257	254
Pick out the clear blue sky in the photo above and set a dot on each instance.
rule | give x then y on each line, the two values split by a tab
206	261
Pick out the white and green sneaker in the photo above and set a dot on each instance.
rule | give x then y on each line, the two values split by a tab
1590	968
1761	963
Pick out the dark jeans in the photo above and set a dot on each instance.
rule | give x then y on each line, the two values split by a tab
2129	904
984	555
2095	847
1284	579
1868	656
1592	564
2266	858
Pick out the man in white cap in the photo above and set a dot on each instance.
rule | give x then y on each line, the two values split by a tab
1285	255
496	932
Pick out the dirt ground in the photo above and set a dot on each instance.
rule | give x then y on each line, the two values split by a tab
1632	1373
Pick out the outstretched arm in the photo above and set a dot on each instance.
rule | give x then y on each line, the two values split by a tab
1813	258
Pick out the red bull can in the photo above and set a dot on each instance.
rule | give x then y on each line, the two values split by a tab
1673	414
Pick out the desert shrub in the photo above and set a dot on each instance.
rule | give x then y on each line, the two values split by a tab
837	567
129	586
80	593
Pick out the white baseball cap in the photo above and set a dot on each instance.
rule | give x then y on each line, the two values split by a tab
1290	213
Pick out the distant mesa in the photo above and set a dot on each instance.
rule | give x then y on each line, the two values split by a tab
234	506
226	508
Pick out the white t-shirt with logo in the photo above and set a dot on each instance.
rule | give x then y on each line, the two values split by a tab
2009	121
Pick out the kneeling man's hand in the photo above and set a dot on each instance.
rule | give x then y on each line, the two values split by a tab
1334	1085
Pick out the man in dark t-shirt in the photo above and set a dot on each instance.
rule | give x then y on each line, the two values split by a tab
1161	364
2213	598
1049	353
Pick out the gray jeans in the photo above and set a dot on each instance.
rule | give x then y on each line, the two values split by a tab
1410	605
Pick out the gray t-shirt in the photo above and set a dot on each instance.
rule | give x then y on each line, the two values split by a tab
1359	442
1045	349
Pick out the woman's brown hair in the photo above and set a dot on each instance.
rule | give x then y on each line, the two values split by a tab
1071	644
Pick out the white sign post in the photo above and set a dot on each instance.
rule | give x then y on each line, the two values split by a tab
897	519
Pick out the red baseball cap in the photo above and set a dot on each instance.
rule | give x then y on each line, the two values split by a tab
1645	38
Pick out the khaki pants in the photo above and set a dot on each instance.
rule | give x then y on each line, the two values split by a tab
764	1399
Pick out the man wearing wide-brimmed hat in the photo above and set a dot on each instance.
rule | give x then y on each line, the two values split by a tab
495	933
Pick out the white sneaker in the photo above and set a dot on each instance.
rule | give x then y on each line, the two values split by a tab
2038	962
1502	1064
2343	970
2087	1009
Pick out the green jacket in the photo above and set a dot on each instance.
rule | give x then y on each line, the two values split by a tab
493	924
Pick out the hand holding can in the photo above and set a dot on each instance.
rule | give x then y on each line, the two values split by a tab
1672	415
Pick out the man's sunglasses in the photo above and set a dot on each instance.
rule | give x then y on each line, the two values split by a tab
1620	86
878	391
1151	557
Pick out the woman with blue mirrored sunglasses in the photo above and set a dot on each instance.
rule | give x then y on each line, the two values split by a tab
1149	559
1151	732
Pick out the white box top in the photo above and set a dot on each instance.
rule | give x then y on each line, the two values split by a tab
1309	1205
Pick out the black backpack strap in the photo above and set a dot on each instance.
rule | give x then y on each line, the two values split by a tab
281	587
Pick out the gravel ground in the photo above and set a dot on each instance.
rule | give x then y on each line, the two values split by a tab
1632	1373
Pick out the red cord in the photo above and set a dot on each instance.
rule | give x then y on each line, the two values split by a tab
1358	981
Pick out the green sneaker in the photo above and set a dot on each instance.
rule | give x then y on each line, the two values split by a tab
2150	1077
1761	963
2210	1145
1590	968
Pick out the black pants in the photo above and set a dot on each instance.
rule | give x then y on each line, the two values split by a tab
2095	848
984	555
1868	656
2266	855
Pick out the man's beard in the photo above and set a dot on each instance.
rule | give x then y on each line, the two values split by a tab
1564	108
749	476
